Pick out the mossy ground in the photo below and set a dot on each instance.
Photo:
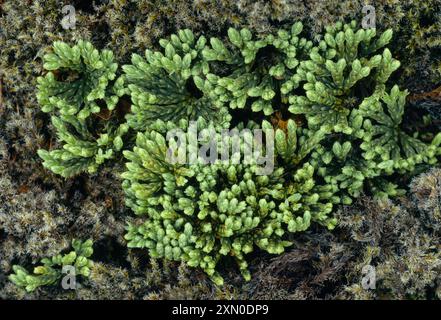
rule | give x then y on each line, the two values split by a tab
40	213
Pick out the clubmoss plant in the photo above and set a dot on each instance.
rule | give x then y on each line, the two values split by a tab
83	84
198	213
263	69
169	85
50	273
339	135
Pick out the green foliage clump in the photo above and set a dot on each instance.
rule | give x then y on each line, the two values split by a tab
82	151
169	86
51	271
86	80
387	140
340	72
84	74
198	212
345	92
262	69
337	135
376	148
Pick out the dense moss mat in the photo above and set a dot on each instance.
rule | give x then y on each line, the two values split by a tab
41	213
